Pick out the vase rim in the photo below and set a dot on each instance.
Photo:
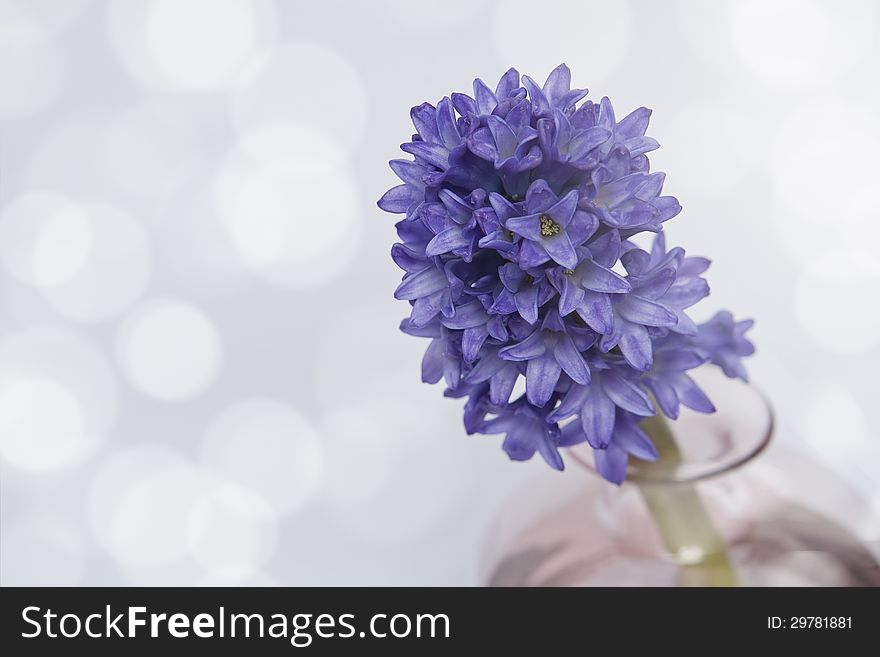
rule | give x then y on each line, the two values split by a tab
739	431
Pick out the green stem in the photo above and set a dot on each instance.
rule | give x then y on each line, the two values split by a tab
681	518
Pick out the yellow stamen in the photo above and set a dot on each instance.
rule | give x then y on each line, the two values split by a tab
548	226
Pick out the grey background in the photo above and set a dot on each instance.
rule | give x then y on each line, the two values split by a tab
201	377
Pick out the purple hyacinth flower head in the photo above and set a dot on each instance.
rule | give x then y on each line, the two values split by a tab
519	206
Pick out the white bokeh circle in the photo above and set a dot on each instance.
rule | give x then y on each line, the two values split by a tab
57	399
150	148
189	45
393	467
42	422
50	14
169	349
825	186
823	159
830	420
114	476
802	42
430	15
591	36
288	206
861	234
236	579
180	572
31	68
45	238
115	273
46	549
305	83
232	530
836	304
151	517
268	446
735	147
71	137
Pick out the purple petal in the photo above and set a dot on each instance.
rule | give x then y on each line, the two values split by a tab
635	345
606	248
532	347
571	360
464	104
528	226
542	375
549	453
599	279
572	434
581	227
585	141
501	385
631	438
691	395
486	100
611	463
527	303
597	417
539	100
657	286
505	139
420	284
681	359
424	118
618	191
446	124
539	197
467	316
485	369
685	294
626	394
531	255
560	248
459	210
595	310
519	443
446	241
643	311
504	303
426	308
481	144
558	83
572	403
635	123
511	276
500	424
452	372
472	341
563	210
665	395
397	199
435	154
570	295
408	171
508	83
408	258
432	361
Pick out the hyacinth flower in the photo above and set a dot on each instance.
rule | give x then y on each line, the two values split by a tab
520	205
520	208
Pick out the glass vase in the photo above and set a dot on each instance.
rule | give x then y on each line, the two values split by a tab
716	516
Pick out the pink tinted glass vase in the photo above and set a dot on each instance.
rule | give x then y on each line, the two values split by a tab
716	515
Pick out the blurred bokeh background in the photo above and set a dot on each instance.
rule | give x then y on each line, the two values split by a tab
201	376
